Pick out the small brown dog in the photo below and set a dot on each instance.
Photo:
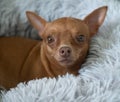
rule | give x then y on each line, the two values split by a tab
63	48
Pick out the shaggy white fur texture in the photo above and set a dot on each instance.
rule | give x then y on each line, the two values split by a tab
99	79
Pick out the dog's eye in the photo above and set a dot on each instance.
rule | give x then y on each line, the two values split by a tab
50	39
80	38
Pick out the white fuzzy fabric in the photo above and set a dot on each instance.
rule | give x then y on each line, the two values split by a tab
99	79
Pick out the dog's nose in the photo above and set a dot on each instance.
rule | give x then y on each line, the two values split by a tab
65	51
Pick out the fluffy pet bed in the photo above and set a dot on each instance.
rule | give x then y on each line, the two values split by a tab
99	79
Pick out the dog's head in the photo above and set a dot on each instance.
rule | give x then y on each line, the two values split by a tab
66	40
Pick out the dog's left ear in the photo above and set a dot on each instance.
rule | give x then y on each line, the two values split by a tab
95	19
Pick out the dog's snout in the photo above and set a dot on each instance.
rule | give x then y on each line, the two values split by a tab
65	51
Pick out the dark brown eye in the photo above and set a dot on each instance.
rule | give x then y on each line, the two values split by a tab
80	38
50	39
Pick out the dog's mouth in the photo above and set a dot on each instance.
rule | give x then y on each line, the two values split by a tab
66	62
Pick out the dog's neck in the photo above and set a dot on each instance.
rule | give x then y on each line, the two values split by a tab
53	68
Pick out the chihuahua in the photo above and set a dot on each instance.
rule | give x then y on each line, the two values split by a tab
63	48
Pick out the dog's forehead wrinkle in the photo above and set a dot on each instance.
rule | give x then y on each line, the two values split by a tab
66	24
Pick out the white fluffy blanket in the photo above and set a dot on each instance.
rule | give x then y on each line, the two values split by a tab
99	79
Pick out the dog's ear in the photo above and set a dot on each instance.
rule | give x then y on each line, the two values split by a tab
36	21
95	19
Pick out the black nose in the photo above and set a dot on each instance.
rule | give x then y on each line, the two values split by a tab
65	51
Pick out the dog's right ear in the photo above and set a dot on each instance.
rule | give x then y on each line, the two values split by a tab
36	21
